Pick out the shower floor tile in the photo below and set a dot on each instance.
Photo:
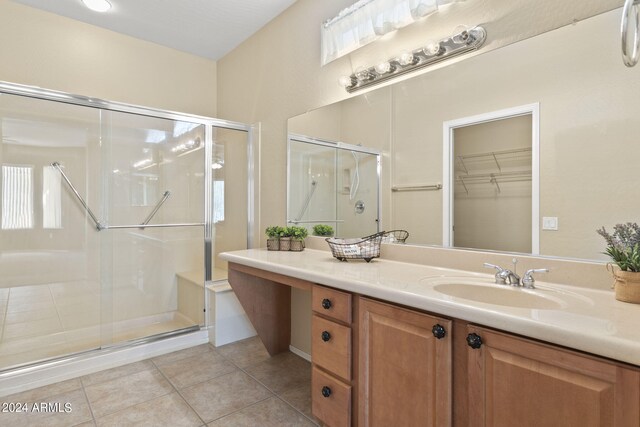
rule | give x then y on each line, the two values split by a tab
141	393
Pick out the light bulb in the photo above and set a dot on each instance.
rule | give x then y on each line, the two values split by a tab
433	48
97	5
461	35
363	74
406	58
384	67
346	81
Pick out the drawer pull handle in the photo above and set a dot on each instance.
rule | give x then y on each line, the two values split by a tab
439	331
474	341
326	336
326	303
326	391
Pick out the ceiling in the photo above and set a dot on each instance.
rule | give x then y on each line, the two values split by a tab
207	28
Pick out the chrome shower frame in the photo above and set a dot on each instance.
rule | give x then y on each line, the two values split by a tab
210	124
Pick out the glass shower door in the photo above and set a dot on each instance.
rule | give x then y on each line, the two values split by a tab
49	249
153	250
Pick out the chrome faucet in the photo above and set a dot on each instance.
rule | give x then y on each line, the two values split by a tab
504	276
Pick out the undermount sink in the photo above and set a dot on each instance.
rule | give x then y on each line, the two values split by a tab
500	295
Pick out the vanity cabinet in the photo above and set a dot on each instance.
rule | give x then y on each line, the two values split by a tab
514	381
331	355
404	359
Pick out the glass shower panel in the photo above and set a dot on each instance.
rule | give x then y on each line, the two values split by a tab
49	250
229	188
357	193
312	184
153	175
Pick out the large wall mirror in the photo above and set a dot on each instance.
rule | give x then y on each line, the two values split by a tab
589	143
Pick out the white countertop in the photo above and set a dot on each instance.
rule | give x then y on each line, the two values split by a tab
585	319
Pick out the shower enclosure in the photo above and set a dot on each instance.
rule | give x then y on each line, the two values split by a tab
333	183
111	219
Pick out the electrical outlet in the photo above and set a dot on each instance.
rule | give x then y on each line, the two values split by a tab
550	223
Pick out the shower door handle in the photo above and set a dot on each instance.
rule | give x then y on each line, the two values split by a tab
165	196
630	6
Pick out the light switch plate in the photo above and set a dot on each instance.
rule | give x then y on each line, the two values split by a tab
550	223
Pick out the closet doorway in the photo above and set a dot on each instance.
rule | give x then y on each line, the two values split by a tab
491	181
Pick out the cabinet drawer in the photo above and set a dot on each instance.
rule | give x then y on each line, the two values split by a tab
331	346
331	303
330	399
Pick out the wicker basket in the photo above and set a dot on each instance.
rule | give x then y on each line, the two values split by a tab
366	248
395	236
627	286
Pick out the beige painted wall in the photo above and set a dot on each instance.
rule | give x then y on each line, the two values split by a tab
43	49
276	74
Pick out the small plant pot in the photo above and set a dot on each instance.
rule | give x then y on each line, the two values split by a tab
297	245
285	243
273	244
627	286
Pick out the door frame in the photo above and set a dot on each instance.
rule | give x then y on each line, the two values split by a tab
447	167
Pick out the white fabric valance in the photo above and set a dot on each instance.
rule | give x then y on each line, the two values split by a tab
367	20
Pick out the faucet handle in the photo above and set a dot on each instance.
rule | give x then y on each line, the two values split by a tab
500	279
528	280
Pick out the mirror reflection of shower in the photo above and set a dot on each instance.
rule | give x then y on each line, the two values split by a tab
327	181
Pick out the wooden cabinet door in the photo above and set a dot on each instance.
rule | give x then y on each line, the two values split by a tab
404	371
518	382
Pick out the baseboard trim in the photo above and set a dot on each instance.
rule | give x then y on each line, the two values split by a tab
298	352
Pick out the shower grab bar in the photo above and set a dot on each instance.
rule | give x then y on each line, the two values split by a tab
165	196
307	200
183	224
99	225
309	222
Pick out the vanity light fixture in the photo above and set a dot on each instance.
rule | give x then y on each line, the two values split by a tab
97	5
462	41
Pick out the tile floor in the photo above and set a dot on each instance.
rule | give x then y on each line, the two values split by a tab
234	385
51	320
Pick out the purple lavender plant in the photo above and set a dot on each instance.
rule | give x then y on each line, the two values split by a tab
623	245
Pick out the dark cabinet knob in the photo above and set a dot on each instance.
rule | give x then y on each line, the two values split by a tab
439	331
326	303
326	391
474	341
326	336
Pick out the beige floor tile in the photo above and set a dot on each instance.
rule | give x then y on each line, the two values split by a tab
181	354
196	369
269	413
282	372
31	344
34	328
54	413
80	287
117	372
34	291
300	398
245	353
42	393
29	306
31	315
224	395
170	410
115	395
80	320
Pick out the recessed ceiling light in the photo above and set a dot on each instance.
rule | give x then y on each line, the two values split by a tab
97	5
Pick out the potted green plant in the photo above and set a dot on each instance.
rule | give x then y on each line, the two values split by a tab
323	230
273	237
298	234
285	238
623	246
